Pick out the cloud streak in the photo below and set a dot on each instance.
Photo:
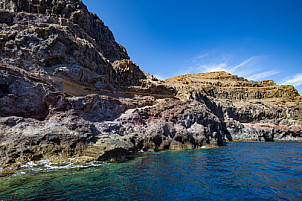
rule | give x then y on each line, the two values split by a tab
262	75
296	80
242	64
249	68
225	66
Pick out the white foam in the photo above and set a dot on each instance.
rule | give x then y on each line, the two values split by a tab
46	166
30	164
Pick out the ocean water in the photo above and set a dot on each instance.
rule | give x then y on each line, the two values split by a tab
238	171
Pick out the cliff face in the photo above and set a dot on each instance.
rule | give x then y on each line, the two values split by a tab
230	96
72	46
69	90
95	127
252	110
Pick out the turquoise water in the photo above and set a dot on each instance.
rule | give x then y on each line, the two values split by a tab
239	171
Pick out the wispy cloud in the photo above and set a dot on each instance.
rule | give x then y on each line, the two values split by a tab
259	76
225	66
249	68
244	63
296	80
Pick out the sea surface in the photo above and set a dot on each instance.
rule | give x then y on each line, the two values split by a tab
238	171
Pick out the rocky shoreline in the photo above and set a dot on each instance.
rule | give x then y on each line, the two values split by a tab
263	132
113	133
68	90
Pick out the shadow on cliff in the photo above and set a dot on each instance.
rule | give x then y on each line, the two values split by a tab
218	111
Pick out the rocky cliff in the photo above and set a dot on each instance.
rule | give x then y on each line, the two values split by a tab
242	101
69	90
73	47
39	123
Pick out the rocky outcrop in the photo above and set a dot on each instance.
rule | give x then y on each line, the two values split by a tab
98	127
41	122
255	104
23	93
24	139
72	46
263	132
234	97
69	90
223	85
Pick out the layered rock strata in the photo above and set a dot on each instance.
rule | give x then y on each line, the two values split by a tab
257	103
69	90
94	127
72	46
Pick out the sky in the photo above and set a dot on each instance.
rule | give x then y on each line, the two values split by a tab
255	39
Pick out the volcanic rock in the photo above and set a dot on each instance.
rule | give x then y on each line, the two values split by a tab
263	132
69	90
234	98
72	46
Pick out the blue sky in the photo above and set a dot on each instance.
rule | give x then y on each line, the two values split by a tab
256	39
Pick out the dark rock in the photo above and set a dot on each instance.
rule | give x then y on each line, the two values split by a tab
72	46
23	93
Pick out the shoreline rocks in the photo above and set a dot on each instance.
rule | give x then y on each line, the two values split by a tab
110	127
167	124
263	132
69	90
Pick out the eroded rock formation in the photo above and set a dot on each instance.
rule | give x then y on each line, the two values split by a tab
72	46
256	103
94	127
69	90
